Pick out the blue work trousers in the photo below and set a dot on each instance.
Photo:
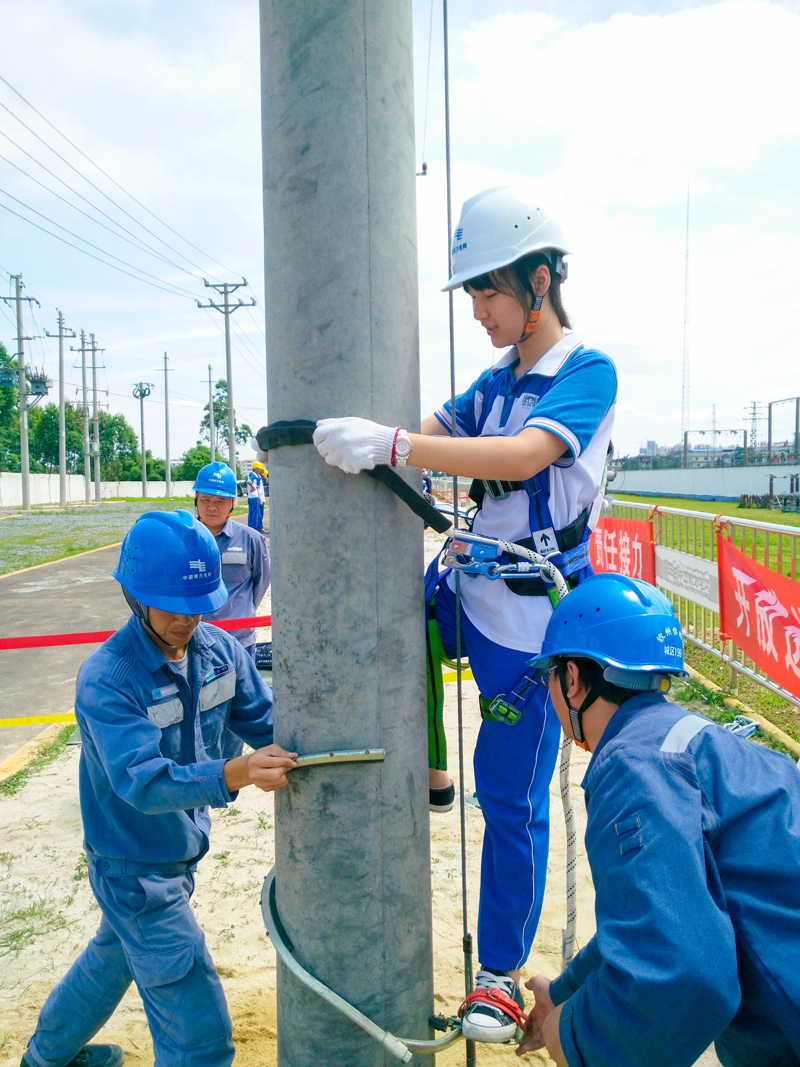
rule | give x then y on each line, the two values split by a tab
148	934
255	513
513	768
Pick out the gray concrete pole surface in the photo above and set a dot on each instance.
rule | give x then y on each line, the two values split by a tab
167	471
352	842
22	392
87	475
229	372
98	493
769	436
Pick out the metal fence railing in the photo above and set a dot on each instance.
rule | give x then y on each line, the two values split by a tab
679	533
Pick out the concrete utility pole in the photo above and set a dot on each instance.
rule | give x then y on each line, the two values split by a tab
140	391
22	391
95	445
167	471
352	841
227	310
62	428
87	483
211	429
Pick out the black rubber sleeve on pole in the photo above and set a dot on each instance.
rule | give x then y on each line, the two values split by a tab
301	432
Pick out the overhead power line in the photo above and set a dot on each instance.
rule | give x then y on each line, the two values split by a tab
79	249
97	248
114	182
133	240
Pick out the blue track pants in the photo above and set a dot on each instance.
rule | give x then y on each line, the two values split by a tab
513	768
255	513
148	934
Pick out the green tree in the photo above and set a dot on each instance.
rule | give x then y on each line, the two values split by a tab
242	433
43	437
191	462
9	417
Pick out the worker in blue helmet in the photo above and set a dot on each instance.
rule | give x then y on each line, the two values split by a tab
693	838
155	704
243	551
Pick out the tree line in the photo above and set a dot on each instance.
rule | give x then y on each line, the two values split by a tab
120	457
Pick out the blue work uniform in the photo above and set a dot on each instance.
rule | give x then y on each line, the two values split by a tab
571	393
246	573
151	765
255	507
693	838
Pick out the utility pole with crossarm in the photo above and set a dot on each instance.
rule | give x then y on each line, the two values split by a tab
22	389
227	309
142	390
62	426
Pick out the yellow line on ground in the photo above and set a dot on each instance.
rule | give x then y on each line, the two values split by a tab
452	676
23	756
743	709
37	720
50	562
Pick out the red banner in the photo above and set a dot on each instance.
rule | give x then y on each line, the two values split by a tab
624	546
760	612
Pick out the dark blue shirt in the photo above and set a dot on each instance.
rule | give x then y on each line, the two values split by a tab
693	838
151	759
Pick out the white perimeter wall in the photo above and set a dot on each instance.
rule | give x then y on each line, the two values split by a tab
713	483
44	489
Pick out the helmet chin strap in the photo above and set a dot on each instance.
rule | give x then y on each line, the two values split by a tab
575	714
533	318
142	612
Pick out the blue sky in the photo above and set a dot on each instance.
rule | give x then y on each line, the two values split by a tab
606	109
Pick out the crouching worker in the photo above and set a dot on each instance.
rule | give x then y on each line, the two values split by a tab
243	551
693	838
155	704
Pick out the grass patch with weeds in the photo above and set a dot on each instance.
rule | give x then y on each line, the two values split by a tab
20	926
42	536
14	782
718	711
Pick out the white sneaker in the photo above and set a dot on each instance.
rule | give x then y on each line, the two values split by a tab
494	1010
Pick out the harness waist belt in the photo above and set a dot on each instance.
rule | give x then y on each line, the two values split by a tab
112	868
494	487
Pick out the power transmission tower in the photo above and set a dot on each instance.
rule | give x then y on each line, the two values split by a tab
167	471
754	413
62	428
140	391
87	481
685	392
95	445
22	389
227	309
212	431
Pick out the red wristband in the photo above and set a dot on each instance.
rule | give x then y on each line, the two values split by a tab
394	446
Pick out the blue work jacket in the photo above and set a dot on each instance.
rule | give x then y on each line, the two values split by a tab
152	753
693	838
246	573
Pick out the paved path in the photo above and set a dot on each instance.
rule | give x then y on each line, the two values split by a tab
69	596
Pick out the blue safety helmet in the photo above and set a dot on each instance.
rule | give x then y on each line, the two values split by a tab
170	561
216	479
626	625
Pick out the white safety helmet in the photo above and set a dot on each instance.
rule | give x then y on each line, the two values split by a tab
498	227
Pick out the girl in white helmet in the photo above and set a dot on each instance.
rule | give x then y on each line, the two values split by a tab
533	432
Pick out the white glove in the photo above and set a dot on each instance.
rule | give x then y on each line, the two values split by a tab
354	444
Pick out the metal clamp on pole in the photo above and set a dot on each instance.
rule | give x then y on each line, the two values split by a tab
342	755
400	1047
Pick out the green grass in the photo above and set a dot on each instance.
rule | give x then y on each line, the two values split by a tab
717	710
20	926
712	507
43	536
14	783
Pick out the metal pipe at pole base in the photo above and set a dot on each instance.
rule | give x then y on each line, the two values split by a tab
352	841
